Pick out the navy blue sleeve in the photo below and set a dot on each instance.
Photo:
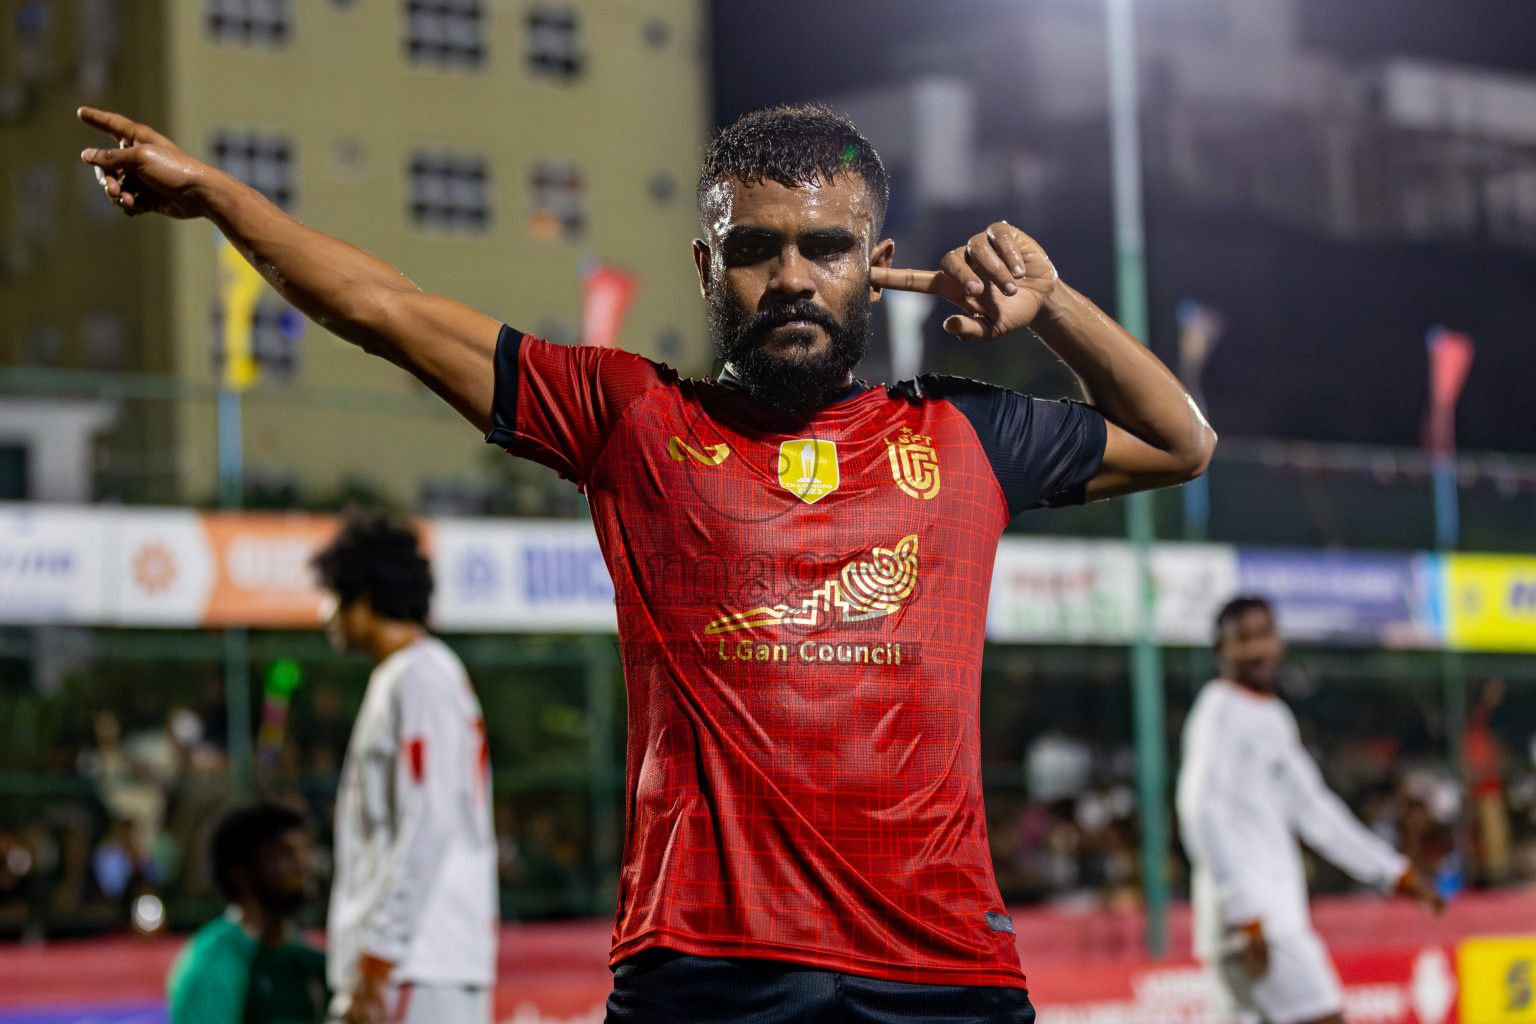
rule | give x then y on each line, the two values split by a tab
504	391
1043	453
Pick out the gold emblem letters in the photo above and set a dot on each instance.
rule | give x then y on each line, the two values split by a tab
914	463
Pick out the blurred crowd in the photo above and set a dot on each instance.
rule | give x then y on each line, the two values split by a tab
1071	835
131	803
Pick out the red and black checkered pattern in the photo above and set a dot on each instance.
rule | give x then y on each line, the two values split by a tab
791	795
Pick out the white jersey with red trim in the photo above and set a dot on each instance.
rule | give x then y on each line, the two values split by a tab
1248	791
415	873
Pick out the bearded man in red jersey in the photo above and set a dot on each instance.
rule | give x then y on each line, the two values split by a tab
801	561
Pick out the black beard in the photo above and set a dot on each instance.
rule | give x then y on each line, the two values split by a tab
795	384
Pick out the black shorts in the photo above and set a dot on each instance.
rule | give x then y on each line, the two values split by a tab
663	986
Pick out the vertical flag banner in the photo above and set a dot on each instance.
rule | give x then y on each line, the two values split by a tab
240	287
606	293
1200	329
1450	359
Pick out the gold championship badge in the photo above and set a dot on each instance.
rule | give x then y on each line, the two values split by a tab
808	468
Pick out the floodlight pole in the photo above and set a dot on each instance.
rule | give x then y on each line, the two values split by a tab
237	665
1146	656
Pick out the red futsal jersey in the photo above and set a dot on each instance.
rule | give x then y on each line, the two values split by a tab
802	602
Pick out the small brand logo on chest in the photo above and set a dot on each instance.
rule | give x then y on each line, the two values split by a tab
808	468
712	454
914	463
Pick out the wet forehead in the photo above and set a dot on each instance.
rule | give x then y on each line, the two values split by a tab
843	203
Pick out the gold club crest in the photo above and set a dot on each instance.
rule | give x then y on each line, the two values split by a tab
808	467
914	463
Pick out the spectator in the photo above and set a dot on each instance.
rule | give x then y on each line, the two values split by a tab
1482	759
248	966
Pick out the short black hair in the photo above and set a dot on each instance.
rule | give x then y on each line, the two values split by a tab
794	146
376	557
241	833
1237	608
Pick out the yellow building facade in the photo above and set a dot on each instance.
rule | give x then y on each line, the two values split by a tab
490	149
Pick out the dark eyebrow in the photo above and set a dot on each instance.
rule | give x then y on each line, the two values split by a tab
741	233
831	235
836	236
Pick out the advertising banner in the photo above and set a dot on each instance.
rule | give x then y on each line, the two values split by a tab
160	567
51	565
1497	980
1490	602
1364	598
1055	591
1383	986
1062	591
527	576
1190	583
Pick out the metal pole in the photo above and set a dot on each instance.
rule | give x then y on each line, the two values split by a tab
237	667
1146	656
601	777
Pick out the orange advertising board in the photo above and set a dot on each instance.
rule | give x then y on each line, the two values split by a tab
261	570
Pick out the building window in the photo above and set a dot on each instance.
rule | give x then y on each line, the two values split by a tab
559	206
276	328
450	192
249	22
445	33
264	162
554	42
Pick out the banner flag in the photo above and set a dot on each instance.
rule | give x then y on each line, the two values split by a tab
606	293
1450	359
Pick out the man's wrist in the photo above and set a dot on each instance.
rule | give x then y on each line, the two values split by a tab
374	968
1056	308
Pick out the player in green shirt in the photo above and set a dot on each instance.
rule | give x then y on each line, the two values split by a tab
249	967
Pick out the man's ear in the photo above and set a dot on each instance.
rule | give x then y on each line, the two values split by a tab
881	257
701	264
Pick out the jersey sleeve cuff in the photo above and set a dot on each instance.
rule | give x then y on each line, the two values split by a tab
509	345
1095	436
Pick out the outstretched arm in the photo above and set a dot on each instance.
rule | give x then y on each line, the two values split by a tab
446	344
1003	281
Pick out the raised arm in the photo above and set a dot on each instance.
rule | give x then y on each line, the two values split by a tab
1003	281
446	344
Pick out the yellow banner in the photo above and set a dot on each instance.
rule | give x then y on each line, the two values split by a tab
1490	603
240	288
1496	981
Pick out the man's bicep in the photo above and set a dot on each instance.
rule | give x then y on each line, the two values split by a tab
1131	464
446	345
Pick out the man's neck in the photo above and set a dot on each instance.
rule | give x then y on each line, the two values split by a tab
268	929
391	636
1253	687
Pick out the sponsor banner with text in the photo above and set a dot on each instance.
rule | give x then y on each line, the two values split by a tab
1490	602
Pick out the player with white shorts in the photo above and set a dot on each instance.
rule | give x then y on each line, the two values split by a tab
1247	793
411	934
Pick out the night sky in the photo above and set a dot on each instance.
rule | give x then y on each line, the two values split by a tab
1326	337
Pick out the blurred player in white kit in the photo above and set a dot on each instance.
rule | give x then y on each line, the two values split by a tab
1247	793
411	934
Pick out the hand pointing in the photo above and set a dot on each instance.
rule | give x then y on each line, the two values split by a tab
1001	278
146	172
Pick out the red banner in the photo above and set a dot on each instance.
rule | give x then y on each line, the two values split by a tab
605	296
